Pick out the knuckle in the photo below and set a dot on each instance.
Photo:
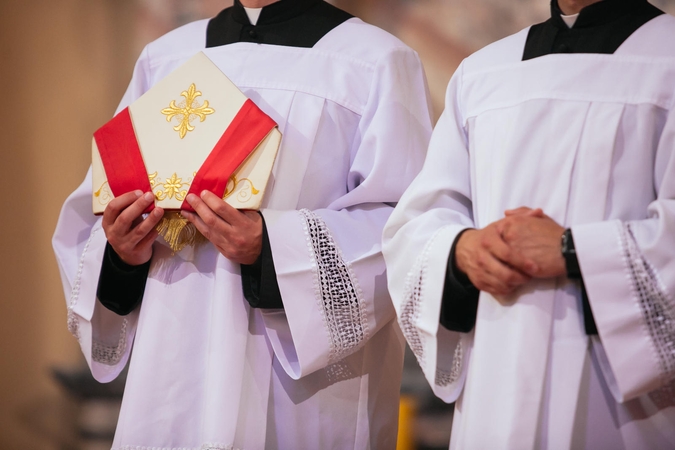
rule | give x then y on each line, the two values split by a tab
500	289
122	219
239	242
485	241
210	221
139	232
510	277
510	237
218	207
513	280
226	252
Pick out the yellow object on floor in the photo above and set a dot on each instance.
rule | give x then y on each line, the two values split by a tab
406	423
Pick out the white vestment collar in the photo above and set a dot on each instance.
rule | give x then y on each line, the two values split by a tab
253	14
569	20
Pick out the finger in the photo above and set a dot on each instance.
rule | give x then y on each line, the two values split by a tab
228	213
488	283
524	211
117	205
496	290
537	212
199	224
505	298
503	276
141	229
517	211
208	216
514	259
490	264
134	211
148	239
498	245
147	225
501	226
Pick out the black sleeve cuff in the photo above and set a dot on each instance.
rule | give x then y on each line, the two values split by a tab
120	285
259	280
574	273
589	320
460	297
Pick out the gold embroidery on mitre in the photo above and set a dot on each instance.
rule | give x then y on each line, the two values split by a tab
103	195
187	110
172	187
243	195
151	178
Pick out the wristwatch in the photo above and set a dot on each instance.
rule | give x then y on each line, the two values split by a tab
570	255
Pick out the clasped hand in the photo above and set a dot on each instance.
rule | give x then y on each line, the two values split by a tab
508	253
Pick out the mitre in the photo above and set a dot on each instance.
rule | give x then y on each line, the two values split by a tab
192	131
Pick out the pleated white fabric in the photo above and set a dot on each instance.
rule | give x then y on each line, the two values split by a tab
208	372
591	140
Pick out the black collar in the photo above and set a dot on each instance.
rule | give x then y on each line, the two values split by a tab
600	28
293	23
277	12
599	13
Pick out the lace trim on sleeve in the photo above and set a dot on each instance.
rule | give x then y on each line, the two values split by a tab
664	397
444	378
411	305
655	302
411	302
410	312
108	354
336	289
73	321
101	353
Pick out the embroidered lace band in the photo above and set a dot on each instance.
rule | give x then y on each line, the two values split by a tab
336	289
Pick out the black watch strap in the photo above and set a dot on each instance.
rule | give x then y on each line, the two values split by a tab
570	255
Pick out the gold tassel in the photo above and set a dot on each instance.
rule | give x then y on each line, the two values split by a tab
178	232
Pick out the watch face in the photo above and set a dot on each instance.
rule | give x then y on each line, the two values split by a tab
567	244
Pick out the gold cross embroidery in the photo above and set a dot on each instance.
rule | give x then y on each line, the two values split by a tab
187	110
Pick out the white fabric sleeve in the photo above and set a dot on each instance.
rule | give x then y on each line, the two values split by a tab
79	243
417	243
629	272
328	261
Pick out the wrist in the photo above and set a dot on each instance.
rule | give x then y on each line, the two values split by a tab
458	263
118	263
458	275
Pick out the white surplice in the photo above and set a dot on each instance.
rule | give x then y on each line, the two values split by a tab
589	138
209	372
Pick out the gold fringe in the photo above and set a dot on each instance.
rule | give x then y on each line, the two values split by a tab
178	232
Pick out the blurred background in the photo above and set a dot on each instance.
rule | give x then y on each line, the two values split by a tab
64	65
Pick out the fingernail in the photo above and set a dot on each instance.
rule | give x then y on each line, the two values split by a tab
203	193
138	192
148	196
191	198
